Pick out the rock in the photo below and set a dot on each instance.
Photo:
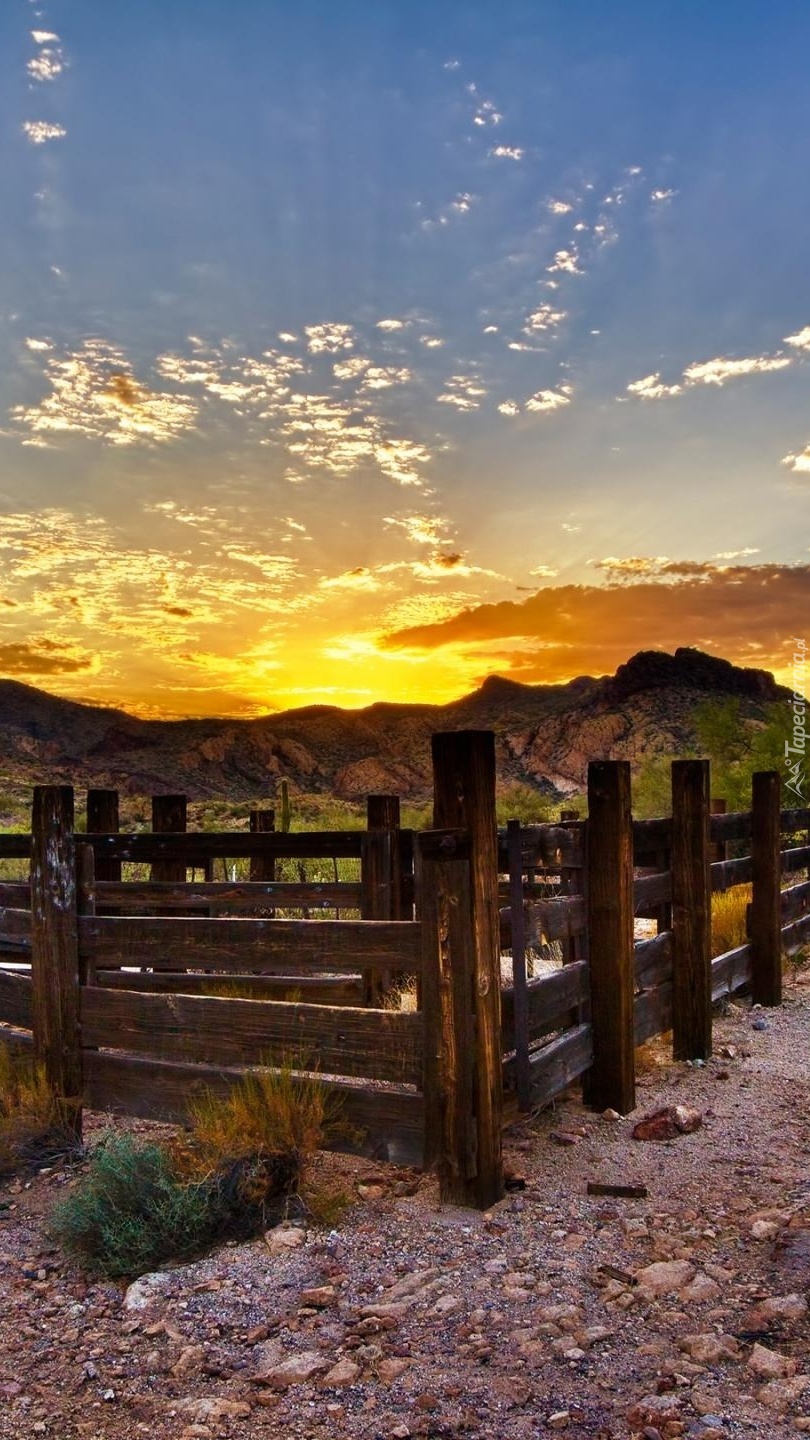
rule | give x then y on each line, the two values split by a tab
390	1369
668	1122
296	1370
562	1137
284	1237
146	1290
566	1317
759	1024
189	1360
411	1284
345	1372
384	1310
764	1230
664	1277
447	1304
320	1296
776	1307
781	1394
611	1115
709	1349
400	1431
206	1409
769	1364
701	1289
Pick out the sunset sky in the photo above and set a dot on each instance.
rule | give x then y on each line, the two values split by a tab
357	351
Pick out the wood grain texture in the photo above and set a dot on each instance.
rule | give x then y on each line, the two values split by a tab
765	919
464	794
335	1040
54	949
549	1000
132	897
653	1012
520	1002
560	1063
390	1121
731	971
16	1005
195	847
795	902
652	960
261	945
102	814
610	934
691	911
314	989
169	816
726	873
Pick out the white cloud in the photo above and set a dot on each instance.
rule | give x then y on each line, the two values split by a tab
463	203
801	340
430	342
351	368
44	37
659	196
546	401
39	132
566	261
507	152
452	65
464	392
559	207
509	407
737	554
382	377
799	463
421	529
38	344
719	370
545	317
329	338
544	572
47	65
391	324
569	528
651	387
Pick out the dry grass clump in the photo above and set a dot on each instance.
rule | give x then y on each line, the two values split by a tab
238	1168
32	1131
729	918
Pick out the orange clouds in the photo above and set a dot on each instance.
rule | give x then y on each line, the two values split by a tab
746	613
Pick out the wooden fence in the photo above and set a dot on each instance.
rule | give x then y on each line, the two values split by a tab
137	985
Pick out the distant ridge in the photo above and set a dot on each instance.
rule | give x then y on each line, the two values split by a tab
545	734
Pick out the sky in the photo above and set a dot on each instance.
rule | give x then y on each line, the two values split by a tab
354	352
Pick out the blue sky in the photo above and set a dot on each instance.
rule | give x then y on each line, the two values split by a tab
327	328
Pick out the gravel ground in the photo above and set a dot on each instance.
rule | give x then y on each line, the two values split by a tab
684	1313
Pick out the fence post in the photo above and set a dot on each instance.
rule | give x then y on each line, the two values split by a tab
169	816
765	914
464	796
379	877
691	911
719	806
609	893
103	819
522	1065
262	867
55	951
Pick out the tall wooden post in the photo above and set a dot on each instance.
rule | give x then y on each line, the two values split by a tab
765	914
55	951
169	816
262	867
691	911
464	796
518	938
102	819
377	882
719	806
609	893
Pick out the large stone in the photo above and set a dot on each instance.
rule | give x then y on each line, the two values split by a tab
144	1291
284	1238
769	1364
345	1372
296	1370
776	1307
781	1394
710	1348
203	1410
664	1277
668	1122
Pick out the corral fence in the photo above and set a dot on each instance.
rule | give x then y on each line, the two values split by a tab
138	983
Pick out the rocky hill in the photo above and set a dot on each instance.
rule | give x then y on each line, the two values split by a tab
546	734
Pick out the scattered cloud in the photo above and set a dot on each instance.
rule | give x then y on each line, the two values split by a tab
544	572
329	338
800	462
801	340
720	370
392	324
507	152
659	197
39	132
565	261
737	554
509	407
653	388
544	318
430	342
559	207
382	377
421	529
546	401
464	392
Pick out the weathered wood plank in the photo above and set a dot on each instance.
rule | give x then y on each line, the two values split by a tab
736	825
335	1040
731	971
54	950
544	846
17	895
792	860
15	999
15	927
560	1063
795	902
796	937
262	867
726	873
195	847
549	999
132	897
764	916
260	945
15	847
650	891
790	821
652	960
558	919
102	814
390	1121
650	836
314	989
464	794
653	1012
517	937
610	934
691	911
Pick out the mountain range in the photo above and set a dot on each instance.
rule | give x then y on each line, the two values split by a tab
545	735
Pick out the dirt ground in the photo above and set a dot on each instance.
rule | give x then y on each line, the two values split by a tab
559	1312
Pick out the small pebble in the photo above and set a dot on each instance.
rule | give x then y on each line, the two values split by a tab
759	1024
